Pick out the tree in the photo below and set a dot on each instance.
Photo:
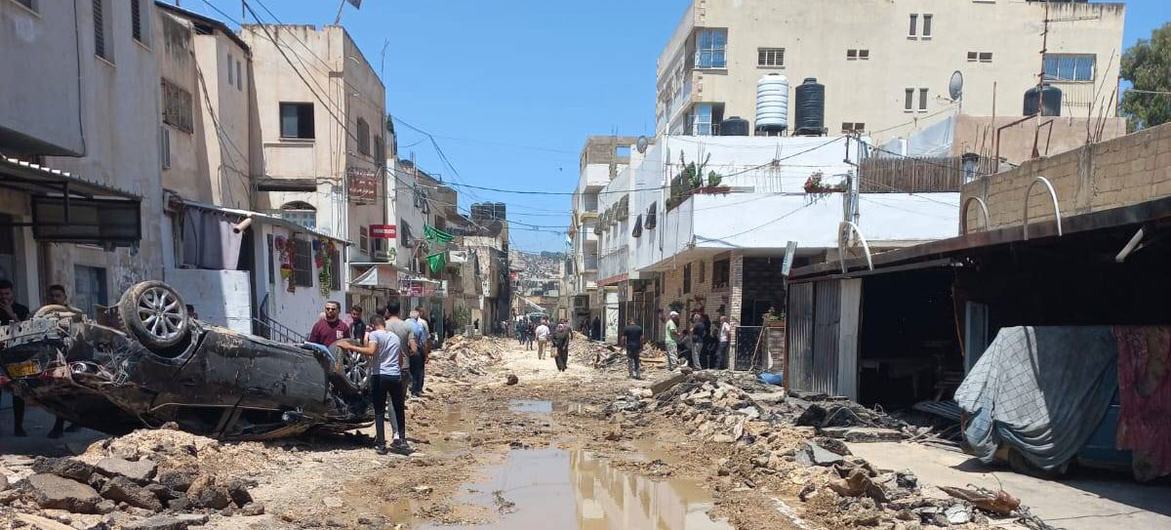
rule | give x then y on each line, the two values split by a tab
1147	65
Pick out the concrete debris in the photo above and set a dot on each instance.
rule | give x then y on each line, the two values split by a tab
812	454
141	471
122	489
52	491
511	379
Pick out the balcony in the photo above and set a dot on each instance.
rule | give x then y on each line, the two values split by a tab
614	263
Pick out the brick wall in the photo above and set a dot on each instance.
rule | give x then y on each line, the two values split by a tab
1120	172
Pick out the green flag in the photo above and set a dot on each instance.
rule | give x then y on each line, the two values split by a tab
436	235
437	261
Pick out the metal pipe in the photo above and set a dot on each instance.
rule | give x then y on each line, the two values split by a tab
242	225
996	158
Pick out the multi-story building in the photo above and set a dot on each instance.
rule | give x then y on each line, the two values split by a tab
886	64
79	163
602	158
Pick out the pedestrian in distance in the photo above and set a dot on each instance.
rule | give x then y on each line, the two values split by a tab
12	312
697	336
330	327
542	333
388	345
560	339
419	361
632	338
725	337
530	334
671	339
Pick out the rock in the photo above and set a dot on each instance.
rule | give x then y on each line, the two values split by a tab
141	471
332	502
41	523
863	434
252	509
160	522
122	489
751	412
812	454
238	491
180	503
833	445
906	479
613	436
161	491
511	379
458	436
193	519
177	480
812	417
106	506
659	387
422	489
3	482
63	467
214	497
52	491
958	514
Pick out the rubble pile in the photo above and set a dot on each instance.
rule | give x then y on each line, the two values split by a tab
462	356
149	479
798	444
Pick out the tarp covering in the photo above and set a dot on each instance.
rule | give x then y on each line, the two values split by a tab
1041	391
1144	375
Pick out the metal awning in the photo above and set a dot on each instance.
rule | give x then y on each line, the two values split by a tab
248	216
377	276
69	209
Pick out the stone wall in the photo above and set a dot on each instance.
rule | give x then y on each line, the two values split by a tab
1112	174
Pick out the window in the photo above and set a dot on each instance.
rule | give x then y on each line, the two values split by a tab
302	262
231	71
335	270
239	75
297	120
301	213
30	4
364	239
165	146
985	57
914	25
721	272
909	102
710	48
101	30
864	55
927	26
848	127
139	27
705	121
770	57
363	132
857	55
702	271
922	99
687	278
852	55
177	109
1069	67
379	149
272	271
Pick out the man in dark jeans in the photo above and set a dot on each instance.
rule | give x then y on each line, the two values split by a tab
632	336
560	338
387	346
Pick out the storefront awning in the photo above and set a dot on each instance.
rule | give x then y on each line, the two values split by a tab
376	276
69	209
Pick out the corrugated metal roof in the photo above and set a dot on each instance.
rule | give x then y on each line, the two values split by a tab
35	177
263	218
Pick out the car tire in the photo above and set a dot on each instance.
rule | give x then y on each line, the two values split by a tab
352	369
155	314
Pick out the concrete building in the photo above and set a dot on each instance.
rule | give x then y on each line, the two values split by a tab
78	119
886	64
319	136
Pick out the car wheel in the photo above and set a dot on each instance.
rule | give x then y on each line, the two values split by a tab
155	314
357	370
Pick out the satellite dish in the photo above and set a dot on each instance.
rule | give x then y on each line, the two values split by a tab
642	144
955	87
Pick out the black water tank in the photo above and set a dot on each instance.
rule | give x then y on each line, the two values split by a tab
1050	100
809	119
734	126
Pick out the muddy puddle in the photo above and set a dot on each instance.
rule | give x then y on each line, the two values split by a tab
531	406
567	489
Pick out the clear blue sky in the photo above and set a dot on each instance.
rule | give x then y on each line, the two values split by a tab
511	88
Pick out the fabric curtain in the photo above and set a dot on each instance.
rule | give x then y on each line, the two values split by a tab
209	241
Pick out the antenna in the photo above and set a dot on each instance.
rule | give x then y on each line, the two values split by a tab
642	144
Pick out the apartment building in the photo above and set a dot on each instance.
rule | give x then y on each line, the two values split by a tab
602	158
886	64
79	163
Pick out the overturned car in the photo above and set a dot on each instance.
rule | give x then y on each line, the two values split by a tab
155	364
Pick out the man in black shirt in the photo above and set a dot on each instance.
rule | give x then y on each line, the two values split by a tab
632	335
357	326
10	313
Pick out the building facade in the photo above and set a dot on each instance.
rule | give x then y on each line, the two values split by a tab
886	64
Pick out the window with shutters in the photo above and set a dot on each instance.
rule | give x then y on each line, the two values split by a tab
302	262
364	239
922	100
177	107
239	75
721	272
909	100
31	5
363	132
165	146
139	21
914	30
927	26
687	278
103	46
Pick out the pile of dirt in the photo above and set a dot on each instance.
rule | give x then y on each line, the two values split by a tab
148	479
463	356
795	445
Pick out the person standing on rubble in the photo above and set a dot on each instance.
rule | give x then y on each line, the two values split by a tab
671	338
561	341
387	345
725	338
698	332
542	333
331	327
632	336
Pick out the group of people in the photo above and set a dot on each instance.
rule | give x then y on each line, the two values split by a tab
399	350
11	312
698	345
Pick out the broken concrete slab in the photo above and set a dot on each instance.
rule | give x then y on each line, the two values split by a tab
863	434
812	454
122	489
659	387
165	522
141	471
52	491
64	467
42	523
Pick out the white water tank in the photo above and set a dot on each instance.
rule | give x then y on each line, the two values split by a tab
772	103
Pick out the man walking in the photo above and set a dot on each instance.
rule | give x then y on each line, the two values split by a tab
331	327
387	345
632	336
725	339
561	342
542	334
671	339
357	326
424	346
419	329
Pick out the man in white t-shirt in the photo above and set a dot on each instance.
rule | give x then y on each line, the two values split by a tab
725	339
542	334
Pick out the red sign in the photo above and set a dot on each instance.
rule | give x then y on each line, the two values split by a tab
383	231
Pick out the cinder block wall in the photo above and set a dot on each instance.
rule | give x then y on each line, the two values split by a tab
1120	172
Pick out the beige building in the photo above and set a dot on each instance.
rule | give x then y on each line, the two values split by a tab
886	64
319	133
78	119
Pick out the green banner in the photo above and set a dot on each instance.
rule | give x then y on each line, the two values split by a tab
436	235
437	261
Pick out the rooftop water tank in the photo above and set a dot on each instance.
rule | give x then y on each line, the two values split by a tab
809	116
734	126
1050	100
772	103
